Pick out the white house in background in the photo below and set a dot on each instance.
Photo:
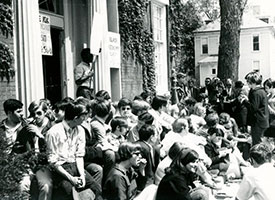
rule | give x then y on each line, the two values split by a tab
257	49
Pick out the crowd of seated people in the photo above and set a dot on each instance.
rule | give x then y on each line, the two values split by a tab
118	150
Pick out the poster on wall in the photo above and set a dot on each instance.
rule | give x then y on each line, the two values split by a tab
46	41
113	50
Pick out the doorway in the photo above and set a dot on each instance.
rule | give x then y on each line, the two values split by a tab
52	69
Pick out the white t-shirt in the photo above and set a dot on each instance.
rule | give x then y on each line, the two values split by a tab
258	183
160	172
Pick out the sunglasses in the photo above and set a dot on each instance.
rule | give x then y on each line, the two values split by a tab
136	153
125	108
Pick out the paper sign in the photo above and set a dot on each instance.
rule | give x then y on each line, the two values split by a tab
113	50
45	29
96	33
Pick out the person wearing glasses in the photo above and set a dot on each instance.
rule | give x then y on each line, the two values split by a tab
66	149
258	182
120	183
125	110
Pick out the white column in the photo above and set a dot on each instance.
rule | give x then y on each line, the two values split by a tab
102	71
69	62
28	58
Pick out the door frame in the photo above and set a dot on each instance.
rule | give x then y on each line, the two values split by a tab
57	22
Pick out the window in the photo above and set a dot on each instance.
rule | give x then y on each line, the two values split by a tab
256	65
256	43
213	71
159	32
55	6
158	21
204	45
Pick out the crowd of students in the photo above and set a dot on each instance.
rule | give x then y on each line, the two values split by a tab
174	145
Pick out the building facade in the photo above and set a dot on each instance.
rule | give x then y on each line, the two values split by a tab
50	34
257	49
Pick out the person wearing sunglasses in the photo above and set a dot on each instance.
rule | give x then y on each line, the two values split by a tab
121	181
125	110
66	149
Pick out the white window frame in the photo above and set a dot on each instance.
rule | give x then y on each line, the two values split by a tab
259	41
160	42
207	42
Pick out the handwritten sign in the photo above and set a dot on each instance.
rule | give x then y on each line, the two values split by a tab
45	29
113	50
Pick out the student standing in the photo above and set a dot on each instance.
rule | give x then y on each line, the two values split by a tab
258	115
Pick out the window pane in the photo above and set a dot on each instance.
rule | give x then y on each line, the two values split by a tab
205	49
256	43
204	46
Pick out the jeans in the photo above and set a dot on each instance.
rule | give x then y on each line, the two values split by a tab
109	160
83	91
42	186
257	134
95	171
67	186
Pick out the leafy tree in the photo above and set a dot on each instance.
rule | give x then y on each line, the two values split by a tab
209	8
231	17
183	19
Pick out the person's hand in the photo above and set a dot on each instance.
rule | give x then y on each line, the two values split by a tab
91	73
242	98
81	182
34	129
142	166
75	181
249	140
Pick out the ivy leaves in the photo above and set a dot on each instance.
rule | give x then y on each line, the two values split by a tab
6	28
6	22
137	38
6	59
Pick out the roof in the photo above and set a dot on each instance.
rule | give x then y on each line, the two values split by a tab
249	21
209	59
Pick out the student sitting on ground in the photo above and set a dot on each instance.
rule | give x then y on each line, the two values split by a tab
120	182
258	182
225	157
178	184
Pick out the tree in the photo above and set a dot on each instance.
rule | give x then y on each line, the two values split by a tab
209	8
231	18
183	19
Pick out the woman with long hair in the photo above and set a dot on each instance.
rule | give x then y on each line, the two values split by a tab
178	183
